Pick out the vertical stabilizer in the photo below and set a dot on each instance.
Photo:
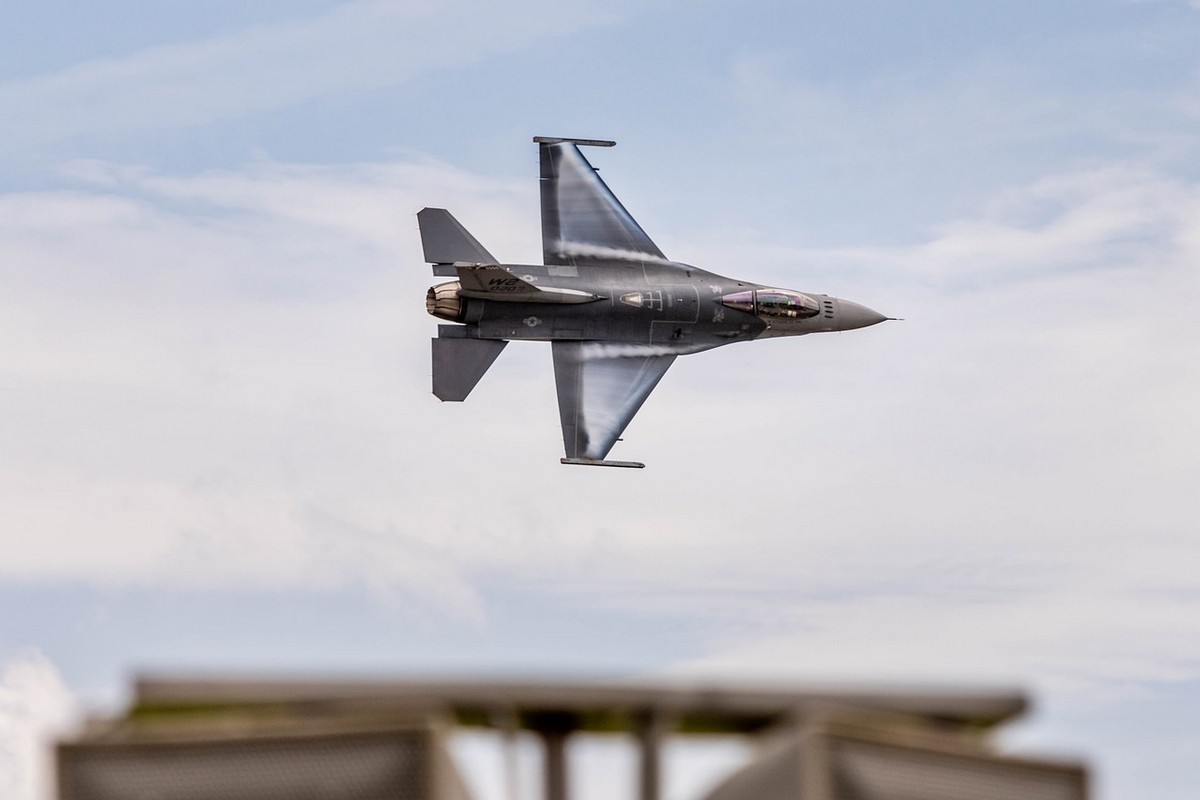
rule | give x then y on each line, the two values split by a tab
446	241
458	364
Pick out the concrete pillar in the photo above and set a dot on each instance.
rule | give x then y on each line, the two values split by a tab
650	728
554	728
556	764
816	761
505	719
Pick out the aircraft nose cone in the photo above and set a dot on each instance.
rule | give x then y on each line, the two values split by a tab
852	315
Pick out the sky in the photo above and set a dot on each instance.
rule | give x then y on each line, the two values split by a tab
218	447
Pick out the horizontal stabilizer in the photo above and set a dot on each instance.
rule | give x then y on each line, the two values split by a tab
446	241
458	364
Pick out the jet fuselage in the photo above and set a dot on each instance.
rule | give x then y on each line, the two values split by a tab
677	305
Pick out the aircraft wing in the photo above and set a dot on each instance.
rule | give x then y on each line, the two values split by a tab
582	220
600	389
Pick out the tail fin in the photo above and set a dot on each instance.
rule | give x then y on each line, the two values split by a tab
459	363
446	241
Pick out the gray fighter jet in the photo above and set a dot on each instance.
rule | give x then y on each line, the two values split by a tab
615	310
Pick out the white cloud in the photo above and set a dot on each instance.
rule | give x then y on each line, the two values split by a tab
35	707
222	380
223	390
996	489
1113	223
1084	642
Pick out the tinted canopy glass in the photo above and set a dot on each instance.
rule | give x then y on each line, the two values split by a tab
784	303
774	303
742	301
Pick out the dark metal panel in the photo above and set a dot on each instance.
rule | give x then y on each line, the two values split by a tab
446	241
458	364
456	332
584	142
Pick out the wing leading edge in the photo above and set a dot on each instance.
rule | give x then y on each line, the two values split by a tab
582	220
600	389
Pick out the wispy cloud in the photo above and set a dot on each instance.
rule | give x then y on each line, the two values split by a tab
991	103
881	155
1100	221
355	47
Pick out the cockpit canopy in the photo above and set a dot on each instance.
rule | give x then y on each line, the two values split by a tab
773	303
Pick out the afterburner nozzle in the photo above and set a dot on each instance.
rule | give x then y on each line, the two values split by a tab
444	302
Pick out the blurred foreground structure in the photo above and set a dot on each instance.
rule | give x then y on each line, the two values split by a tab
228	739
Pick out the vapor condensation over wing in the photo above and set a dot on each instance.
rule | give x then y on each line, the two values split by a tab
580	212
598	395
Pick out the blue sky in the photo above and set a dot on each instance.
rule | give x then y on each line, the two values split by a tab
220	450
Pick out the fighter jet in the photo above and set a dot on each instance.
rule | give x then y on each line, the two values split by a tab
616	311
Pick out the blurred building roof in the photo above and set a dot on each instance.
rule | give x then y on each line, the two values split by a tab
697	707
